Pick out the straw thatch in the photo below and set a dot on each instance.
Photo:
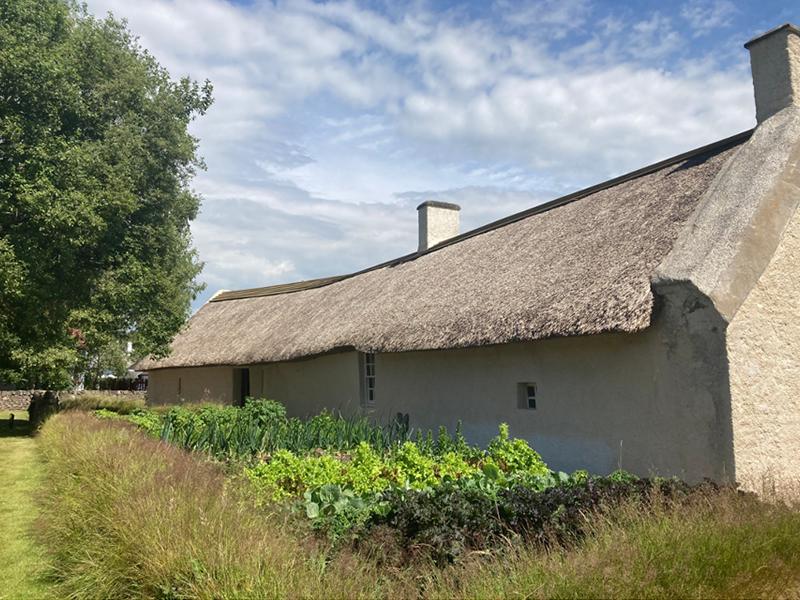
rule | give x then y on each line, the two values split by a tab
578	267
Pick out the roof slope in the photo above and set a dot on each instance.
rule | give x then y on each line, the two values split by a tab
578	265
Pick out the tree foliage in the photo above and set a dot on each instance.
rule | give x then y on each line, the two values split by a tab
95	201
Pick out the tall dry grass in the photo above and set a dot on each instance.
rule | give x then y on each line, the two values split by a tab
89	400
127	516
721	545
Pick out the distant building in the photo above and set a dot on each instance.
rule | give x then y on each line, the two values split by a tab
650	322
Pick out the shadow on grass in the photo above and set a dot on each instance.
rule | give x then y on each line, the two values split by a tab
21	426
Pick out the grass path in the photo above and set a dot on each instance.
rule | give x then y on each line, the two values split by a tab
20	471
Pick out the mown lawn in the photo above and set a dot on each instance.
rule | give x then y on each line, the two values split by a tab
20	476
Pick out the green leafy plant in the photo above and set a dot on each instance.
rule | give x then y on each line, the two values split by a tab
330	499
121	513
148	421
411	465
261	427
341	512
515	455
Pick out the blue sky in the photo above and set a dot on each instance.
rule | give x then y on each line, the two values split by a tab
333	120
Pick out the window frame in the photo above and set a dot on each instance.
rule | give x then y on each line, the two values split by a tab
525	399
367	374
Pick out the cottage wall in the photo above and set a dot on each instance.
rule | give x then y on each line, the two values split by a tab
197	384
603	402
764	351
307	386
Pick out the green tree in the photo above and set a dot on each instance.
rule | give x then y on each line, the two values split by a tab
111	359
95	200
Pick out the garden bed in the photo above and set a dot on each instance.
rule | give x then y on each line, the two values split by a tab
376	512
439	495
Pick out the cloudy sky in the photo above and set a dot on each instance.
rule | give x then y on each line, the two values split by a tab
332	121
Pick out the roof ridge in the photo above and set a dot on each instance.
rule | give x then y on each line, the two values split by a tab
288	288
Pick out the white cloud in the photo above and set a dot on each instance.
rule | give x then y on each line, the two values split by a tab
704	16
327	114
481	204
557	17
601	122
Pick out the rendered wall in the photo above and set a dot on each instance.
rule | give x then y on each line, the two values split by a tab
603	402
307	386
764	354
212	384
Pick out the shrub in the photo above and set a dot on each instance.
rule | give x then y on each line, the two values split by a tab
43	405
443	522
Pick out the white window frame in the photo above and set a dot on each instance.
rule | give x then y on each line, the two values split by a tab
527	395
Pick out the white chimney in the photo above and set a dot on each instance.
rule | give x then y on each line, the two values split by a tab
775	62
438	221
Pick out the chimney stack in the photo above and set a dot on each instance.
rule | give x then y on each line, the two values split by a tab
775	62
438	221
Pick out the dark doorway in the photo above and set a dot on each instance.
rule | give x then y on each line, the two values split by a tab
241	385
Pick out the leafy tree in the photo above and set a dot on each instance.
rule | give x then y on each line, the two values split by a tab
111	358
95	200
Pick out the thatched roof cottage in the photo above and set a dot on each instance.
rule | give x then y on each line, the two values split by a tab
650	322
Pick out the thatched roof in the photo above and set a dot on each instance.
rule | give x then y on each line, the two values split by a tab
576	266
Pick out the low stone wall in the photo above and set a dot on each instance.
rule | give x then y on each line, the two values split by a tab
20	399
15	399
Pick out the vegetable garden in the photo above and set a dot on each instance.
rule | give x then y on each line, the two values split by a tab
437	494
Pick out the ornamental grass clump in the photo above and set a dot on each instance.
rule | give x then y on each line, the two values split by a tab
126	516
88	400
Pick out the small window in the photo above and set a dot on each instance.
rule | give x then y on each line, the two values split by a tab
526	396
369	379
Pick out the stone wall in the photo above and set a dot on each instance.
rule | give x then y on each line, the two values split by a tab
20	399
15	399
